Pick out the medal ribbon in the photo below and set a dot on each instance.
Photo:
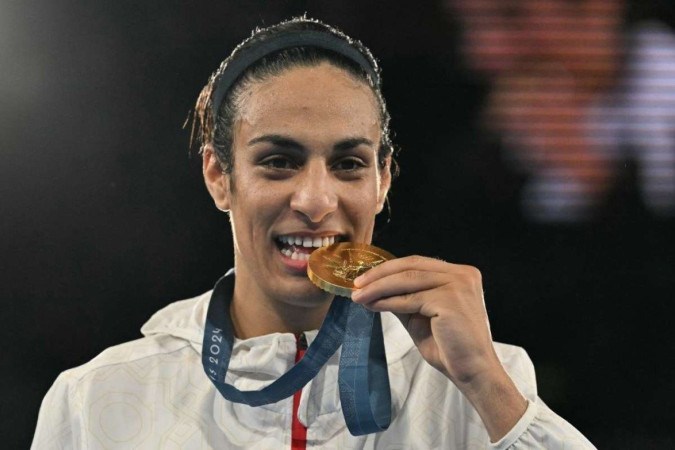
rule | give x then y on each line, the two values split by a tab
363	379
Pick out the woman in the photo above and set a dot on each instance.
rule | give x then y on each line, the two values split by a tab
295	145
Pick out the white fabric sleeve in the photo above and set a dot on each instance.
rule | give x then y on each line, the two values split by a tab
541	428
59	420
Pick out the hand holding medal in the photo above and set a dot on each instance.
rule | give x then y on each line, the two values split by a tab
440	304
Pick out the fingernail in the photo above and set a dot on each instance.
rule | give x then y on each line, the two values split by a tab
358	280
356	294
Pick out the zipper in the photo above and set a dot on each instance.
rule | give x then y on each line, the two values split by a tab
298	430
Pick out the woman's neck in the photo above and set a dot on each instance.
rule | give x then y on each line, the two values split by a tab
255	314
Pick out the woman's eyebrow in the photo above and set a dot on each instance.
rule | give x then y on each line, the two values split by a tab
286	142
347	144
278	140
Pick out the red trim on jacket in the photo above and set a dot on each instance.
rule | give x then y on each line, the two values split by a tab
298	430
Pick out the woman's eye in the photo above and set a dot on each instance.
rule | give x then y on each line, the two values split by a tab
349	164
278	163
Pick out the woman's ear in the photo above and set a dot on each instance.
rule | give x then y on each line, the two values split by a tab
385	184
216	180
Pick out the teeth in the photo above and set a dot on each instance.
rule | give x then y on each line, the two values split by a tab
307	241
298	256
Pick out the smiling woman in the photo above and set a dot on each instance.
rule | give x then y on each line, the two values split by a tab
304	166
294	136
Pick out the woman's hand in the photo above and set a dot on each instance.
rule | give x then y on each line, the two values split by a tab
441	305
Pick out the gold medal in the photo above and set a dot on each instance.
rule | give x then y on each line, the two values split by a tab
335	267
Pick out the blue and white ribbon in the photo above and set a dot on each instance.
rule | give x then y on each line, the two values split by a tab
363	379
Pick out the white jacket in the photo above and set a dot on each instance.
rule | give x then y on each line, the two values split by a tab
152	393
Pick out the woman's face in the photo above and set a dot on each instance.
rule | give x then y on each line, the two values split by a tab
305	174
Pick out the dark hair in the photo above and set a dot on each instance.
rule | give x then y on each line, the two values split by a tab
218	130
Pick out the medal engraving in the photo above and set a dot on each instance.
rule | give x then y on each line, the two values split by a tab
335	267
351	269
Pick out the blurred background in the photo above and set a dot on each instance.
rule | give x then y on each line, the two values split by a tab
537	143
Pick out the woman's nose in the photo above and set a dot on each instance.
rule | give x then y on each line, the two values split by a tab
315	195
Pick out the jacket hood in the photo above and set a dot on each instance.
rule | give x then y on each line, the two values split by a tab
258	361
185	320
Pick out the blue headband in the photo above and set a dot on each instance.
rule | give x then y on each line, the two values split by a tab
244	58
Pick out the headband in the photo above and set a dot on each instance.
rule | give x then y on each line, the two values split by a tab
244	58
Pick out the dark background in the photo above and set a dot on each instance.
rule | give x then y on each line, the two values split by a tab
105	218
